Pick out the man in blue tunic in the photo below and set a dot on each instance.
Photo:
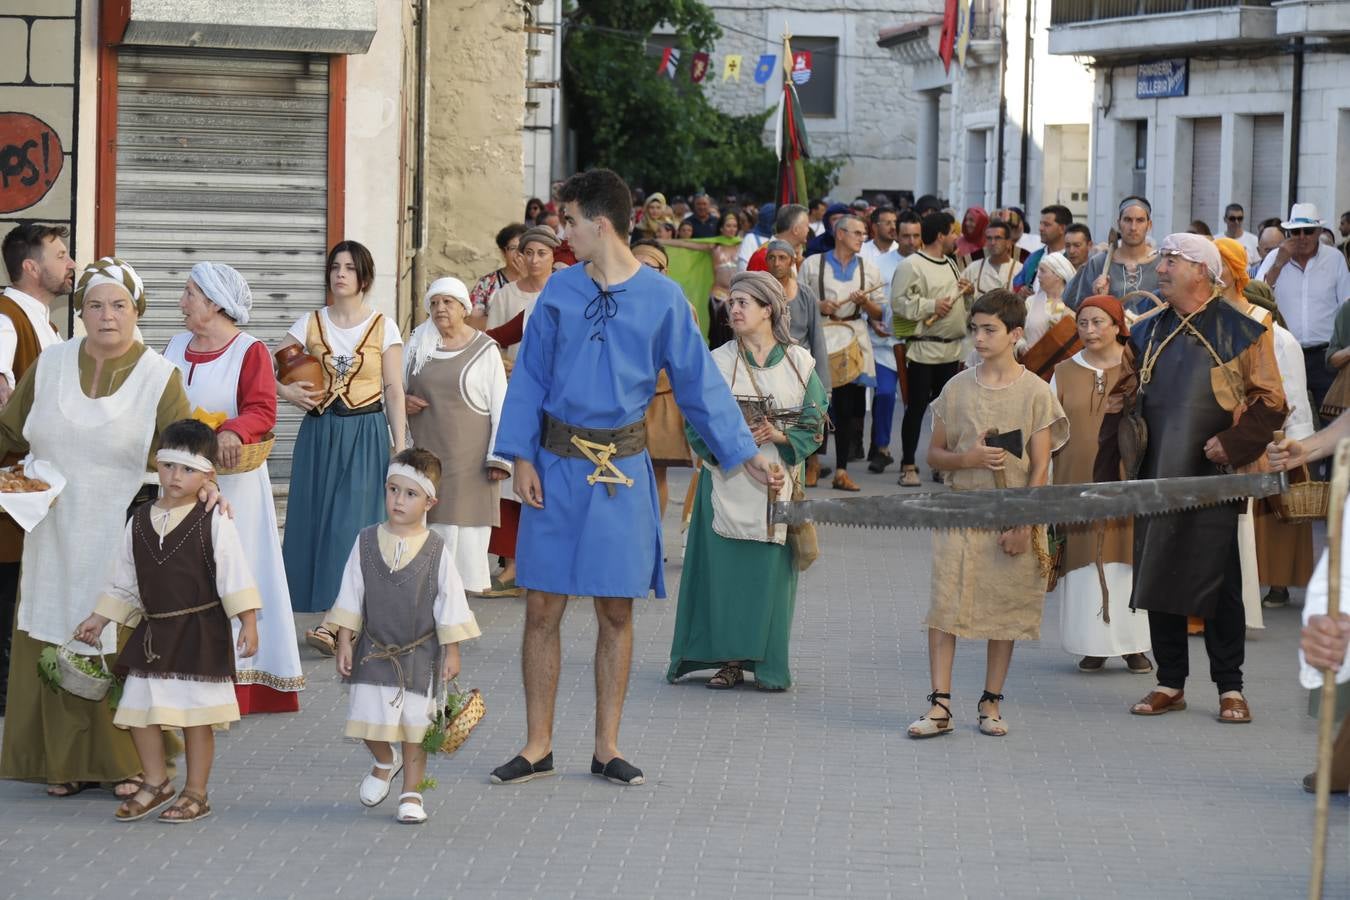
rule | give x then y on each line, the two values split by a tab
573	425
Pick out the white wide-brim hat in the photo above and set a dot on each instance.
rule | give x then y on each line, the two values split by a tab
1303	215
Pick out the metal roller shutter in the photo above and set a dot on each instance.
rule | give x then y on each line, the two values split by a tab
1206	137
222	156
1267	169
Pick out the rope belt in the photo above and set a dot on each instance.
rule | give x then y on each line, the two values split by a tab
600	446
150	654
392	652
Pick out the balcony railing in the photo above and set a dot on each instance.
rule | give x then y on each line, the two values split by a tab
1068	12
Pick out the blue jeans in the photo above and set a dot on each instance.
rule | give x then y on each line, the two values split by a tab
883	408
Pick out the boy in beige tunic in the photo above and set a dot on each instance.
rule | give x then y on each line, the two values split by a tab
986	584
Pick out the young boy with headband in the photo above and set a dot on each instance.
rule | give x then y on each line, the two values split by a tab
179	579
399	616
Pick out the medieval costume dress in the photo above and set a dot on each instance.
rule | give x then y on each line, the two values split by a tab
101	435
404	599
1090	625
341	454
179	577
464	390
738	587
1187	376
978	591
237	380
584	377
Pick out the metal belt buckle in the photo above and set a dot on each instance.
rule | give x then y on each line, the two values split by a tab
606	472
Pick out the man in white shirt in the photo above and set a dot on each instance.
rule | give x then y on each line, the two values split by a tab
1233	217
1310	281
40	270
884	251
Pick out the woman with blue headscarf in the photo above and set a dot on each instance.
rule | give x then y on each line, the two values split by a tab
759	236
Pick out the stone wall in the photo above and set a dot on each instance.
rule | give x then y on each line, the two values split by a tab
874	128
39	70
477	108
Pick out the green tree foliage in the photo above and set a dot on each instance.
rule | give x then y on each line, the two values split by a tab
661	133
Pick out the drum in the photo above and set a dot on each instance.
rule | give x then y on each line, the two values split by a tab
846	356
1055	346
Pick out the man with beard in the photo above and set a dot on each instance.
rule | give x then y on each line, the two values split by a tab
1134	264
1187	563
40	271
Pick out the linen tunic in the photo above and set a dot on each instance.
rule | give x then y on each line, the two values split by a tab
979	591
172	691
589	359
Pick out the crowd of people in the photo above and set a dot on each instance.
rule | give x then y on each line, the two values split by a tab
571	377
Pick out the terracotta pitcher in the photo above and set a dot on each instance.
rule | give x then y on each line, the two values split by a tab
294	364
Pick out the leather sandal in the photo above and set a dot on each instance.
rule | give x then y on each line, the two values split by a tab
1159	702
190	807
322	639
410	813
843	483
1242	713
931	726
994	726
726	678
909	476
374	789
133	810
71	788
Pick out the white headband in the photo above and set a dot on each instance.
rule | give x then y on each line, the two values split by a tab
416	477
184	458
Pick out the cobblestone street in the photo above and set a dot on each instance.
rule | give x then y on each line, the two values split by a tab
816	792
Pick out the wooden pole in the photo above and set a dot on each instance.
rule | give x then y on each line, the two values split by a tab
1340	484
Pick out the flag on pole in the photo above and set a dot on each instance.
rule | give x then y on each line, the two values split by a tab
764	71
801	67
790	135
947	41
731	69
670	61
964	25
699	69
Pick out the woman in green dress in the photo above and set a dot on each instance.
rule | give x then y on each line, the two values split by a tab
739	583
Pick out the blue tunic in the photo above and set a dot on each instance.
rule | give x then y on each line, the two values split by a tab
590	359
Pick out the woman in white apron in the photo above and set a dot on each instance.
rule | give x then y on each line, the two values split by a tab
738	587
229	373
94	409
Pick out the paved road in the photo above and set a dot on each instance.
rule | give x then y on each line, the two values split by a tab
816	792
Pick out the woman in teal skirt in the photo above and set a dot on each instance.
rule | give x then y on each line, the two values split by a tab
342	452
739	583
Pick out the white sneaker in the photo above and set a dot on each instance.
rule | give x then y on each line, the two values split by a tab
373	789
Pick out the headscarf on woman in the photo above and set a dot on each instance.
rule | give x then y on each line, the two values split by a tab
1111	306
764	289
224	287
972	238
764	221
1258	293
111	270
424	338
1059	264
1234	257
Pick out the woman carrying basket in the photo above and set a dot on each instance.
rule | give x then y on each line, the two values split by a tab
739	583
228	375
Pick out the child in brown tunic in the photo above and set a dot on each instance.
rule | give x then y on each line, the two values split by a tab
988	585
180	578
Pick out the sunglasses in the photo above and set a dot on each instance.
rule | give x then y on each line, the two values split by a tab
1236	218
1303	232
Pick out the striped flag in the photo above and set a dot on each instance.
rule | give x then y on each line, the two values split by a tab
790	141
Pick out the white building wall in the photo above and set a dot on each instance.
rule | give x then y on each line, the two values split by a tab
877	110
543	106
1237	90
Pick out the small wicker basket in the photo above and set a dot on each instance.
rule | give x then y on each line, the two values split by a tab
251	456
457	728
1304	501
79	682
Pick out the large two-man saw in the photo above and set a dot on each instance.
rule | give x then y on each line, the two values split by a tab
1058	504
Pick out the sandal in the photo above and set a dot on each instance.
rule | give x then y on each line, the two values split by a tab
1242	713
322	639
135	783
994	726
726	678
909	476
190	807
133	810
931	726
410	813
70	788
1159	702
373	788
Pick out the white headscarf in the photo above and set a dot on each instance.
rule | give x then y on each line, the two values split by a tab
424	338
226	288
1195	248
1059	264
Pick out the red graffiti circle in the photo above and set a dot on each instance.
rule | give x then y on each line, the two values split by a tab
31	158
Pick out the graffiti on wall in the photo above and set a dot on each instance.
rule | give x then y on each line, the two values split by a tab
31	157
